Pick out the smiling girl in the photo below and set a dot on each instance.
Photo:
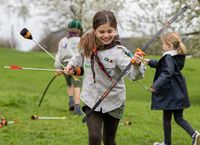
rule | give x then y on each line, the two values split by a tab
103	59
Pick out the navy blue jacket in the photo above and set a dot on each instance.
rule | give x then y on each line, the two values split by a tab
171	91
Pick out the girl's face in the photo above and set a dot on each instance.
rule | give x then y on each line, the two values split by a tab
105	33
167	46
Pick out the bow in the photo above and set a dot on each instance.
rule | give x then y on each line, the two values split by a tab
41	99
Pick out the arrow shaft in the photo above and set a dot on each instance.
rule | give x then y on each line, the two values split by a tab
51	118
42	69
49	54
74	77
29	68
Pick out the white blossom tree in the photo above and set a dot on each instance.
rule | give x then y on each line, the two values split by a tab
58	12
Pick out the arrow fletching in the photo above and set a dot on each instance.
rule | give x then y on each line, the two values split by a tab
13	67
26	33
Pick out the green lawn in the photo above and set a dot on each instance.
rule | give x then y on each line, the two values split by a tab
21	90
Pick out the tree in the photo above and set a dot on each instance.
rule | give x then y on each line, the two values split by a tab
23	10
58	12
14	10
191	18
153	13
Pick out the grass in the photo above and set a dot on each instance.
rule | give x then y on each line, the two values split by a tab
20	92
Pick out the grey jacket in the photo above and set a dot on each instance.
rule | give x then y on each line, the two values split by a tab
67	48
115	61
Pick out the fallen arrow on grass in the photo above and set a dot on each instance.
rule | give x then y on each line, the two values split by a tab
5	122
35	117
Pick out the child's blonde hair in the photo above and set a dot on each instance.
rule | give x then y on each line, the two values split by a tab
174	39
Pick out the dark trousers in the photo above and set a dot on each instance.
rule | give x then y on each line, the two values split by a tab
98	121
178	117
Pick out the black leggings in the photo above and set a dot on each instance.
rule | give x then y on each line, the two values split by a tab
95	122
178	117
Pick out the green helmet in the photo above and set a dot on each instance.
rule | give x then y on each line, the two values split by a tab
75	24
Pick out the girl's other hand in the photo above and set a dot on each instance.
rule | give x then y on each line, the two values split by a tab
152	90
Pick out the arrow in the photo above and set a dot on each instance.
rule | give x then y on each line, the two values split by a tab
15	67
35	117
27	35
5	122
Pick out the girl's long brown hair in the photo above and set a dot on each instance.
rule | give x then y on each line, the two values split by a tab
174	39
89	41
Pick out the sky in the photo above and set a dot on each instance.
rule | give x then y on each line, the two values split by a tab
10	23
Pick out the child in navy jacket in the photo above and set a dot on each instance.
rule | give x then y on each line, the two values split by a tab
169	91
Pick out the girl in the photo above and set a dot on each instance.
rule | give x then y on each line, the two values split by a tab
103	59
169	92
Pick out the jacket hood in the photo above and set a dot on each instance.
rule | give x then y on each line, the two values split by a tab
180	60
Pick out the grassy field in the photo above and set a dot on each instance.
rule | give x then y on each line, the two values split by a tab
20	92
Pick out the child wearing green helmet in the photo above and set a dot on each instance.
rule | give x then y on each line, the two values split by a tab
75	25
67	48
